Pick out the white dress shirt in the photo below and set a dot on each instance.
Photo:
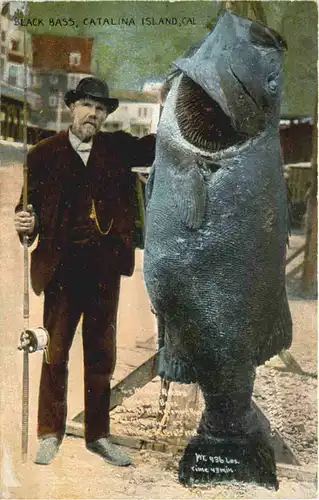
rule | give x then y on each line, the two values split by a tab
83	149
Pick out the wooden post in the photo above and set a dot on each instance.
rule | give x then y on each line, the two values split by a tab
309	275
254	10
59	112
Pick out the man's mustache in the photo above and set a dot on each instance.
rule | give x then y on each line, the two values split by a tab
91	122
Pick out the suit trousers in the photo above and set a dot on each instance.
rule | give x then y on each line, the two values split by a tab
82	285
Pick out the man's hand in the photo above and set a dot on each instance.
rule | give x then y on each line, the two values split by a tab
24	222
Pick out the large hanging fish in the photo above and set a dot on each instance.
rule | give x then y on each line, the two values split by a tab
216	233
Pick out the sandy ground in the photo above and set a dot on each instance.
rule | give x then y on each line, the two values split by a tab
76	473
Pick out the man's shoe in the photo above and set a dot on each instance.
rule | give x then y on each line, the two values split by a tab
109	452
48	448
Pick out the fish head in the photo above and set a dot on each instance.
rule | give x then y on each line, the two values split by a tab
230	84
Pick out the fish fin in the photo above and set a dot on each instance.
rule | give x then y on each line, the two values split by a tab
170	365
190	196
281	335
172	368
160	330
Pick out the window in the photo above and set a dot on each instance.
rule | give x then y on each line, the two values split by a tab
74	58
53	100
136	130
35	102
2	64
36	80
12	75
142	112
73	80
111	127
54	79
15	44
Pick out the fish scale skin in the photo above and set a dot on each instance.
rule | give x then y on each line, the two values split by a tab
229	275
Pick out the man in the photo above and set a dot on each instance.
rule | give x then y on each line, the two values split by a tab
80	191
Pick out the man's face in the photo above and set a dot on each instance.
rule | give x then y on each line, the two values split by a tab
87	118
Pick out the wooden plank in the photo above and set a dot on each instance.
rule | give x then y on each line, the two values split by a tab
294	271
141	170
295	254
290	362
77	429
283	452
298	473
310	270
149	344
135	379
147	371
291	471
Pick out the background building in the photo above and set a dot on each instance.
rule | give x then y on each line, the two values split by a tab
15	76
59	63
138	113
13	52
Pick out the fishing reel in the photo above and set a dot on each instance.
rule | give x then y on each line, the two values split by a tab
33	340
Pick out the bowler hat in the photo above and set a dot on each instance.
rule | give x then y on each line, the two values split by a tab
92	88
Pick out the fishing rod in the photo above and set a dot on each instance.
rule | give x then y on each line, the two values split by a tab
26	305
31	340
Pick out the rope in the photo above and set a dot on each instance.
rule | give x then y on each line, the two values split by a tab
163	411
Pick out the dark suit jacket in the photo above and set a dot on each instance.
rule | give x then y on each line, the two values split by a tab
52	166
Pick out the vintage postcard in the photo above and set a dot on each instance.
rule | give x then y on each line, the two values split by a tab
147	343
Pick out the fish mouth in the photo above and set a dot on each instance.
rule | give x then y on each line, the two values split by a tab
201	120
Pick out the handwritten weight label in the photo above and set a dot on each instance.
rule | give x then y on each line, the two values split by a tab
215	464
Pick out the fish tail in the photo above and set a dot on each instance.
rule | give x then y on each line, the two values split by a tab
232	442
215	459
